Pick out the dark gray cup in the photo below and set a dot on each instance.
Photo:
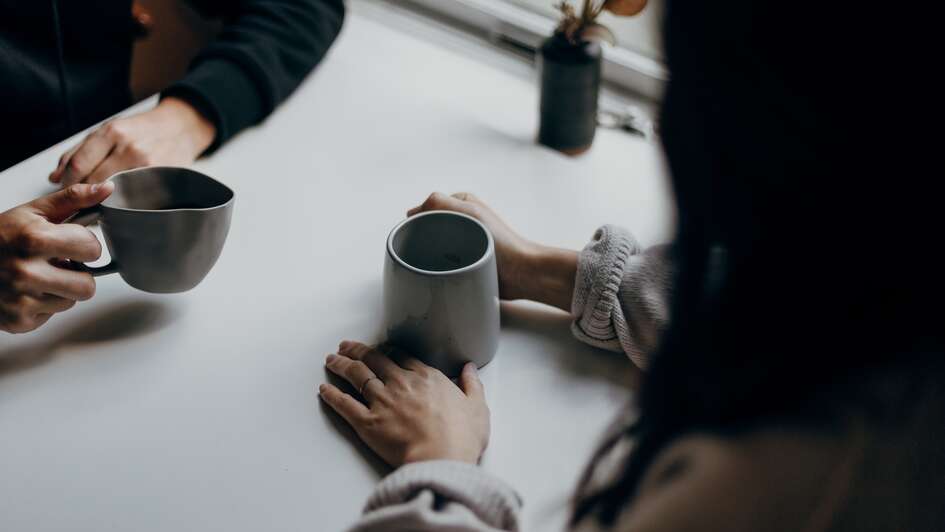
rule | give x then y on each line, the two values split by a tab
164	226
441	290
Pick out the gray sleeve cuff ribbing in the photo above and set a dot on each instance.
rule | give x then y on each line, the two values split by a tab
621	294
493	502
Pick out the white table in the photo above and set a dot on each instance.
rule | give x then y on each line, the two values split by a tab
199	411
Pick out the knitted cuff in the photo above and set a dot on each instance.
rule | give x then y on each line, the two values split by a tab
494	502
600	271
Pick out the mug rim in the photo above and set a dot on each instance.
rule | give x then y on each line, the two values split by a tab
490	245
176	168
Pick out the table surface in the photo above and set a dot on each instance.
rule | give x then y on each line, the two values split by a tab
199	411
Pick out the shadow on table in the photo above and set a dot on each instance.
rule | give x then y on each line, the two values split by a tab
126	319
557	342
344	429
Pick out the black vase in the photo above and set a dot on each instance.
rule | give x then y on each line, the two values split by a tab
570	76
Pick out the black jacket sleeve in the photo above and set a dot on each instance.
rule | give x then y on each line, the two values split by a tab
265	50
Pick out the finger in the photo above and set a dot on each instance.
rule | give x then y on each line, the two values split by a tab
469	382
44	278
354	371
403	358
29	324
93	150
467	197
432	203
460	202
50	304
40	319
116	162
58	206
65	241
56	175
376	360
346	406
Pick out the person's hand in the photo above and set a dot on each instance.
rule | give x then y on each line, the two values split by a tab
172	134
513	253
32	242
526	270
413	412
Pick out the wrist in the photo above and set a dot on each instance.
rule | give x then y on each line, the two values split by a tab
549	275
198	131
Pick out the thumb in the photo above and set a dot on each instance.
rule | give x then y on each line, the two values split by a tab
469	382
58	206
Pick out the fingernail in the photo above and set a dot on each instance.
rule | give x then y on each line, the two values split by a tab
95	187
331	358
344	345
321	389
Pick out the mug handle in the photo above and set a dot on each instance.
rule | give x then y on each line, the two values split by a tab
86	217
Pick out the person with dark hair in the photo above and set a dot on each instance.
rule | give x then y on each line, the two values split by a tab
66	66
792	334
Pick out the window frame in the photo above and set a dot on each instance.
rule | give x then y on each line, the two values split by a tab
503	22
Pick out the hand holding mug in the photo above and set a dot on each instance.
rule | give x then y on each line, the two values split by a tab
527	270
33	243
411	412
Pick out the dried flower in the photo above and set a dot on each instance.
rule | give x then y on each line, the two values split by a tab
584	27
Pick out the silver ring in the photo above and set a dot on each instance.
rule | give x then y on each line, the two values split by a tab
365	383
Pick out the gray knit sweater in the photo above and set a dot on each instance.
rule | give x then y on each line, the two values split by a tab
774	478
620	304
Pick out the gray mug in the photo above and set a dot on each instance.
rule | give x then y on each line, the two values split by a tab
441	290
164	226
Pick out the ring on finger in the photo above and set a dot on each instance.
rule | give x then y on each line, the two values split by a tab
365	383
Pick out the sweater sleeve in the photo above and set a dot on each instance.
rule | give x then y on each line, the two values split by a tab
440	495
621	294
265	50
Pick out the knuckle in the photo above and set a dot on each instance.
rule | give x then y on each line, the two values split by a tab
474	210
22	278
73	193
372	421
114	130
434	200
31	240
22	303
76	163
138	153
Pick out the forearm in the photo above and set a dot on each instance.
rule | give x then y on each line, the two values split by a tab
265	50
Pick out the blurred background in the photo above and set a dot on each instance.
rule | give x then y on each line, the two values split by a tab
633	71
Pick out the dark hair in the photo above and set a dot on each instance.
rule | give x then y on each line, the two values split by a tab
808	232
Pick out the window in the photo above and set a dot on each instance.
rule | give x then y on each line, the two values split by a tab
640	34
635	65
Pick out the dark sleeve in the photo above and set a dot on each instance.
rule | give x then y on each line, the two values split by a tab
265	50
